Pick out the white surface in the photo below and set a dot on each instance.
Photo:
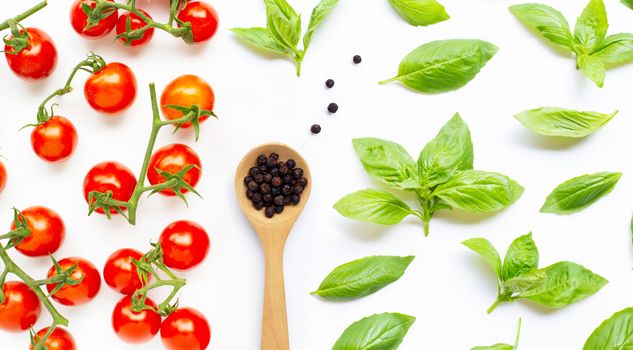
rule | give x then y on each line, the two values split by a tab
260	99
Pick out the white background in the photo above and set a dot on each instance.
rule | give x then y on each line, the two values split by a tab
259	99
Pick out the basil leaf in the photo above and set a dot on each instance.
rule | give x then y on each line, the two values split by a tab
444	65
591	27
259	38
449	152
486	250
593	68
283	22
547	21
628	3
378	332
420	12
566	283
522	257
375	206
362	277
320	12
494	347
616	49
580	192
387	162
525	281
479	191
554	121
614	333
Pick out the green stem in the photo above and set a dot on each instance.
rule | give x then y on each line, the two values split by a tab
495	304
387	81
516	341
5	25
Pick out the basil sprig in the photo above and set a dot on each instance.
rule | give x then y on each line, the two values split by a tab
503	346
580	192
378	332
442	178
519	277
560	122
615	333
594	50
420	12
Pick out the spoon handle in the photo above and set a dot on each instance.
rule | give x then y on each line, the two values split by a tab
275	320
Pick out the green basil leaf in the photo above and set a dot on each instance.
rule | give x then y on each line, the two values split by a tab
444	65
320	12
591	27
387	162
494	347
628	3
449	152
375	206
616	49
283	22
378	332
486	250
566	283
522	257
420	12
554	121
580	192
547	21
614	333
593	68
479	191
259	38
362	277
526	281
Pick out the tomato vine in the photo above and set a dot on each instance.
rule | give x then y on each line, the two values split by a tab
20	37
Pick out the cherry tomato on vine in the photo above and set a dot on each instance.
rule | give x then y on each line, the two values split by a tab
3	177
185	244
203	19
112	89
54	140
136	22
81	293
135	327
79	20
186	91
47	232
110	176
185	329
35	62
21	307
59	339
172	159
120	273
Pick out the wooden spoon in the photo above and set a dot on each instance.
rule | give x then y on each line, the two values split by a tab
273	234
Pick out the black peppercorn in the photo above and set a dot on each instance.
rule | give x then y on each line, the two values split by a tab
268	178
332	107
263	169
279	200
274	172
264	188
261	159
287	179
257	197
276	181
253	186
258	205
298	189
279	209
271	162
254	171
259	178
357	59
297	173
249	194
286	190
275	191
268	198
315	129
303	182
270	212
291	163
287	200
296	199
283	169
248	179
274	156
329	83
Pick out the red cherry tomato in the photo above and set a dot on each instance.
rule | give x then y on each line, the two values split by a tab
21	307
203	19
185	244
55	139
79	20
110	176
112	89
136	22
185	329
3	177
135	327
47	232
172	159
186	91
120	273
59	339
81	293
35	62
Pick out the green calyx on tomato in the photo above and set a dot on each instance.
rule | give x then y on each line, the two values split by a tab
19	39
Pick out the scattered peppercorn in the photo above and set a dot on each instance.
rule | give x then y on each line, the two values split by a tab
358	59
316	128
332	107
329	83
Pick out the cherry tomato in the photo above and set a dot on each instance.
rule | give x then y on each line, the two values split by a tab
79	20
59	339
186	91
110	176
172	159
185	329
35	62
112	89
136	22
203	19
81	293
120	273
3	177
55	139
47	232
21	307
185	244
135	327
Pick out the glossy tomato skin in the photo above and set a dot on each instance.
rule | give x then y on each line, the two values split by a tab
136	22
110	176
172	159
81	293
135	327
54	140
3	177
203	19
112	89
79	20
21	307
185	329
185	244
35	62
47	232
186	91
120	272
59	339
